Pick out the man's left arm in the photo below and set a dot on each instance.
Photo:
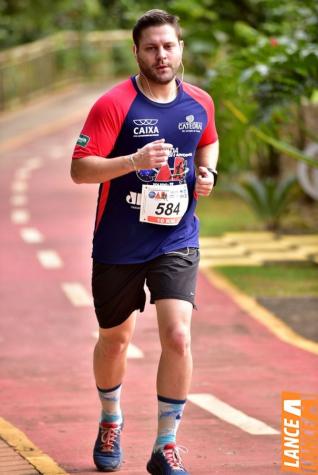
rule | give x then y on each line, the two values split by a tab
206	157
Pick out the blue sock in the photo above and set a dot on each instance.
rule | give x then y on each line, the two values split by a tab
169	417
110	399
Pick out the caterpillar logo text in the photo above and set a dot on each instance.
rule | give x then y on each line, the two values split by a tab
190	125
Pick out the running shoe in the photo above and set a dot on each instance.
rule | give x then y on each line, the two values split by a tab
167	461
107	452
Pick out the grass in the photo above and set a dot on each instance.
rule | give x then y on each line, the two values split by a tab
290	280
223	212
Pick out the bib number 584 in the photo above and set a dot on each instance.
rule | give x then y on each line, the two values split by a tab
167	209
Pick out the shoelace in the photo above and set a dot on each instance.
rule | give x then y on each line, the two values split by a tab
173	457
108	437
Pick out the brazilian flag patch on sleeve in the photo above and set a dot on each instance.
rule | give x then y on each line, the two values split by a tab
83	140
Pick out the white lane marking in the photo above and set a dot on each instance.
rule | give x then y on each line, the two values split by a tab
133	351
231	415
31	235
18	200
33	163
18	186
77	294
49	259
22	173
57	152
20	216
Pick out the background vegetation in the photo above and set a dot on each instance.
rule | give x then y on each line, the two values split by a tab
275	280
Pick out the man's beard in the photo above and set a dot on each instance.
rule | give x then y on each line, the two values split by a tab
151	74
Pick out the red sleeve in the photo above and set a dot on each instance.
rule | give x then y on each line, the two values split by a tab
209	134
104	122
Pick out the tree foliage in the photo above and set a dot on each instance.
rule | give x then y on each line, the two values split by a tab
261	56
268	199
22	21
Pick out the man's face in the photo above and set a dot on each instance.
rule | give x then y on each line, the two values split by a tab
159	53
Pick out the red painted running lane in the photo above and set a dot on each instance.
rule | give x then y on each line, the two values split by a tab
46	345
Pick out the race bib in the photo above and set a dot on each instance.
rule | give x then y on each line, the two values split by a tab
163	204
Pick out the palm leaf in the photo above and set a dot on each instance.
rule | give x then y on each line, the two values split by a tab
267	198
283	147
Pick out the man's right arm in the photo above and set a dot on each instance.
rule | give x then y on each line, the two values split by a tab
93	169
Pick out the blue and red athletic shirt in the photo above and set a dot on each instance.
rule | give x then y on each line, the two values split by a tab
122	121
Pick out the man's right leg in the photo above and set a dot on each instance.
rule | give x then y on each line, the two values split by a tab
109	369
110	353
118	292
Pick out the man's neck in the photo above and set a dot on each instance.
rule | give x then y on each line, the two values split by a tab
163	93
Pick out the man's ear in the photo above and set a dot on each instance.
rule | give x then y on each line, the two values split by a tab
135	50
181	43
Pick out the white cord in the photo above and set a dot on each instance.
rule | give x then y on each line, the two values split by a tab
180	253
151	93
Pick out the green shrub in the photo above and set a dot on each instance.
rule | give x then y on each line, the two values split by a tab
268	198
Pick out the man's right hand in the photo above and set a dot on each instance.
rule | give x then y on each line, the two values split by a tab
153	155
95	169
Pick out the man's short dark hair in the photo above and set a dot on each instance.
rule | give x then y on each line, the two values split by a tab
155	18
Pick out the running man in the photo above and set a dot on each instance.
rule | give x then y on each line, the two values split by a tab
151	144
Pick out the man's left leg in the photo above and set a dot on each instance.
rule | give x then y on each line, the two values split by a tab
173	381
175	366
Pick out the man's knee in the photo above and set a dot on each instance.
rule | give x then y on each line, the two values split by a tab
114	344
178	340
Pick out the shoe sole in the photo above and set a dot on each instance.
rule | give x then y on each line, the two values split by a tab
100	468
152	470
103	469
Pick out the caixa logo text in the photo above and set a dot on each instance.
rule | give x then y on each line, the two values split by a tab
146	128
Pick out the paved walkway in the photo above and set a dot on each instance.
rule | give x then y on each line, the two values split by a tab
258	248
244	357
19	456
13	463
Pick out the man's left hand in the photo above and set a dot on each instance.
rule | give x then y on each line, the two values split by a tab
204	182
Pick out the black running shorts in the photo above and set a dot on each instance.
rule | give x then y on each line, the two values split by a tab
118	289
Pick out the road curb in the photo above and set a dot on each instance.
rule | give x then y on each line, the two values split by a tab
16	439
259	313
